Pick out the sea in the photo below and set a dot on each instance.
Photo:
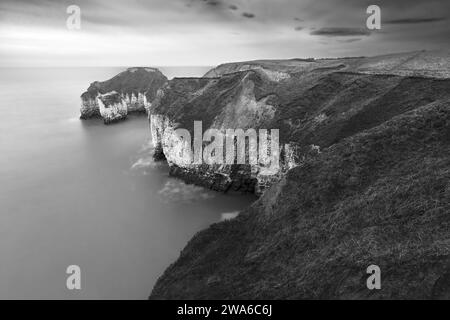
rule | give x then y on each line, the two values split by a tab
78	193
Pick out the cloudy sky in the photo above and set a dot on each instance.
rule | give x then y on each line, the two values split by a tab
209	32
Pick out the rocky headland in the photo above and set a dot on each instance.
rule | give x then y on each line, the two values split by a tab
130	91
365	179
364	174
313	104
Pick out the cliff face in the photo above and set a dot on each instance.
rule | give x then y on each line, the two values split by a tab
222	103
365	180
313	104
130	91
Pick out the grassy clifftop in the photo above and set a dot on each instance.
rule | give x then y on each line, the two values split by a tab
435	64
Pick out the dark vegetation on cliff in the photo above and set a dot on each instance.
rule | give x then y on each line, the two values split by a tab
377	192
379	197
133	80
186	100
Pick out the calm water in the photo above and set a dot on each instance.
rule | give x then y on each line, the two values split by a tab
78	192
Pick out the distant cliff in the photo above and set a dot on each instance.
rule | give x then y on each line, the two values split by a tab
366	181
130	91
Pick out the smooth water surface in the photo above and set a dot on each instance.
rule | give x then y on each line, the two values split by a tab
81	193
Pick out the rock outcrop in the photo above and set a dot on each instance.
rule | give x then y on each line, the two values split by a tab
365	180
313	104
222	103
130	91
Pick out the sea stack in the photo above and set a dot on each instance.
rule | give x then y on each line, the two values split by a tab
130	91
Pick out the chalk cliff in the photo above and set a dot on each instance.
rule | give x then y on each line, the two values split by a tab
313	104
222	103
130	91
365	179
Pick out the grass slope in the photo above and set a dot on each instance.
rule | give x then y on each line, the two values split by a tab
380	196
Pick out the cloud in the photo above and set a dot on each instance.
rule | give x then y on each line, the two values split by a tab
161	32
349	40
414	20
340	32
213	2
